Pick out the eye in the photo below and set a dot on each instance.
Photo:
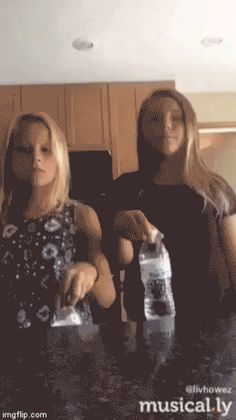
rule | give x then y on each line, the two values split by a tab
177	118
23	149
45	149
156	118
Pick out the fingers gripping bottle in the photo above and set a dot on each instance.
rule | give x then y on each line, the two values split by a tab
156	275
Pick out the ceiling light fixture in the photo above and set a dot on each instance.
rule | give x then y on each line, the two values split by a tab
211	41
82	44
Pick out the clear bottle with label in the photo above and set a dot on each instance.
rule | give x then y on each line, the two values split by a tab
155	269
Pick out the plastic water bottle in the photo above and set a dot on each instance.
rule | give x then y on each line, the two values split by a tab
156	276
79	315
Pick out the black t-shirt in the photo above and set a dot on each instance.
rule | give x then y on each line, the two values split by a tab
191	236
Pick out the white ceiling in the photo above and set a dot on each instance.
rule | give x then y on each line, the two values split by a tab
134	40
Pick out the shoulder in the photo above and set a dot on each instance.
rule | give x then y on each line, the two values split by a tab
128	179
125	190
232	202
75	205
231	198
225	197
85	217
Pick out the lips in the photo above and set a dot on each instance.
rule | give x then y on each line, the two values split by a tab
38	170
170	138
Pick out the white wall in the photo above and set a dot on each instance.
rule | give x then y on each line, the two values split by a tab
219	153
214	106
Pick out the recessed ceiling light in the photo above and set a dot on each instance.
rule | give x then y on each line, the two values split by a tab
211	41
82	44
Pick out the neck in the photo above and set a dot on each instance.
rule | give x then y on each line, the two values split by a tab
170	171
39	202
32	202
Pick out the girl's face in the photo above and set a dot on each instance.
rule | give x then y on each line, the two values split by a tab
32	159
163	125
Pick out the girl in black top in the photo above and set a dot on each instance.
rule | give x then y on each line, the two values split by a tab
194	208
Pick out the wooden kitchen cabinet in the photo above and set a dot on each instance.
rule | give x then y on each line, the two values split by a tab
96	116
125	100
87	117
49	99
123	128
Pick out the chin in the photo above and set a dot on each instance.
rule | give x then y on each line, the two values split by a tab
169	152
172	151
41	181
39	184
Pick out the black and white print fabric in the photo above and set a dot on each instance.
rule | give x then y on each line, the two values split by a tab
33	258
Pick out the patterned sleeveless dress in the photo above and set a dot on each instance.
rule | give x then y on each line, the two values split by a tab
34	255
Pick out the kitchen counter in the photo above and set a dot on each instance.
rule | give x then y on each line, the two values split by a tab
106	379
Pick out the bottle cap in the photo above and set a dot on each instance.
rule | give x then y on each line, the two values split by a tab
156	235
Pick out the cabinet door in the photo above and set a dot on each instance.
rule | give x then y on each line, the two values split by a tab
125	100
9	105
87	117
49	99
123	128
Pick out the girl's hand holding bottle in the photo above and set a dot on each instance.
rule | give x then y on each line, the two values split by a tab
78	281
133	225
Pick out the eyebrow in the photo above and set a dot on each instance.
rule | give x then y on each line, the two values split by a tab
176	111
16	143
173	111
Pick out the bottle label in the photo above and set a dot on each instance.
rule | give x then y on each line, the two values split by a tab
156	275
151	270
69	316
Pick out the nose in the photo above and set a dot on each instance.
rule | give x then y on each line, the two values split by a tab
167	123
36	156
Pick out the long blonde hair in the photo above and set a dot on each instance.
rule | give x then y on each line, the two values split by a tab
60	185
212	187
